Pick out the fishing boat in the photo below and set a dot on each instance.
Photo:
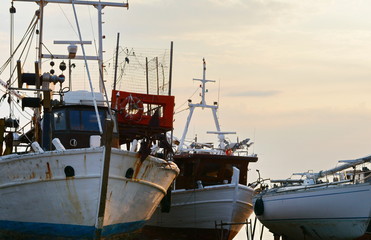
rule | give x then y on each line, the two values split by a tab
210	198
332	204
65	175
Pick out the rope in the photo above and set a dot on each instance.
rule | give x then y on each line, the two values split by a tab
93	34
68	20
30	28
181	110
87	70
187	101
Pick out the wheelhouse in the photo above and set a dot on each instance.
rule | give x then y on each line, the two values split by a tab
74	124
210	170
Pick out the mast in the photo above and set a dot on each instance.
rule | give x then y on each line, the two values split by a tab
100	41
203	105
97	4
12	10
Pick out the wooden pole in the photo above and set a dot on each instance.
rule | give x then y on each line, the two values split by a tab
107	140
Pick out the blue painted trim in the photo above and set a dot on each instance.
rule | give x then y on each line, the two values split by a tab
36	231
120	228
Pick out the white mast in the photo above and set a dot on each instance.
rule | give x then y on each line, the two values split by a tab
99	6
203	105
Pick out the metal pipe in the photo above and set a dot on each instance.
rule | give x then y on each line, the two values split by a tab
107	139
171	67
116	61
86	63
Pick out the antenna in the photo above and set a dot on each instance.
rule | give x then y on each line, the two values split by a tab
203	105
203	81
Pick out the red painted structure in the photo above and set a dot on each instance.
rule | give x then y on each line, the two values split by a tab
141	115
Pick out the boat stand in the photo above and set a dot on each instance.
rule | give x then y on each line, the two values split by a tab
250	230
222	224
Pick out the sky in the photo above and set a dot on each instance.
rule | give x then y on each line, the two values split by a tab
294	76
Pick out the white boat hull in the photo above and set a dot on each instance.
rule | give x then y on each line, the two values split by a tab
337	212
194	213
39	201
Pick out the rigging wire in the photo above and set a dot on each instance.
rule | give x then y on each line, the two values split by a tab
92	30
28	43
188	98
47	49
18	107
65	15
31	27
181	110
87	70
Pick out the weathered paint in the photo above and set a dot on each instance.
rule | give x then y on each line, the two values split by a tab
48	204
46	231
48	173
194	213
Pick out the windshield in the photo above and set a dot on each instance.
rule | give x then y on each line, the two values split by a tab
85	120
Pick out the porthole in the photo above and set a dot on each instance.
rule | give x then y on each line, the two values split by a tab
69	171
129	173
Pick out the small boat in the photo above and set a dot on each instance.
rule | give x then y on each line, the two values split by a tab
210	198
65	175
333	204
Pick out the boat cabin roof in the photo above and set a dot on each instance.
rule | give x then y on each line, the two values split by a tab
210	169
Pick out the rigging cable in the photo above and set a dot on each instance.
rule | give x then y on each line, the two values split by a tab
5	65
188	98
65	15
28	43
100	69
87	70
92	30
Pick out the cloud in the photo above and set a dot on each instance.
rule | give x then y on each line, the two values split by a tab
255	93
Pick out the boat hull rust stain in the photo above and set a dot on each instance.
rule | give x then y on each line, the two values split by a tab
71	202
48	172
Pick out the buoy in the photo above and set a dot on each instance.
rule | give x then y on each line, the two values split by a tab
132	108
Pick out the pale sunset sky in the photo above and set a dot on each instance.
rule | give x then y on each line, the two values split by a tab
292	75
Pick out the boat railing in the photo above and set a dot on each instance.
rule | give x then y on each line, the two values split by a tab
304	187
287	181
203	150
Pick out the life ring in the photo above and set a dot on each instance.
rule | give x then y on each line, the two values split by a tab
131	108
228	152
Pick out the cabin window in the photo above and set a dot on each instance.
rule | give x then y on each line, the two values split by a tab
60	120
85	120
211	170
